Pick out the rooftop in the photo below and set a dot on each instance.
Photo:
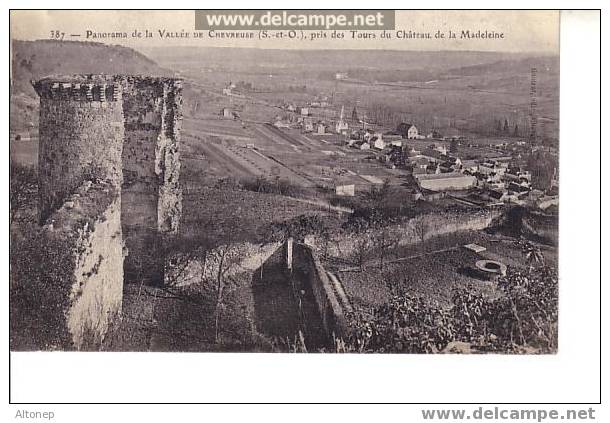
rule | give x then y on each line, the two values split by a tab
450	175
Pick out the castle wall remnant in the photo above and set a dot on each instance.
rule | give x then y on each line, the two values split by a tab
152	197
108	178
88	227
406	233
306	262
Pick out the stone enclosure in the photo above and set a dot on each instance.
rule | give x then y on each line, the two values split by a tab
108	185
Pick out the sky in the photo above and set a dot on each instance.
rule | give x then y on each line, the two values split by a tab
524	30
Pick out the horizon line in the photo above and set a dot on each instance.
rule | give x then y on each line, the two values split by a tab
137	48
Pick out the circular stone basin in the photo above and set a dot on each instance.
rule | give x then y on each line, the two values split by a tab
491	268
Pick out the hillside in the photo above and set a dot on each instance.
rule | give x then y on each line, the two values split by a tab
37	59
317	60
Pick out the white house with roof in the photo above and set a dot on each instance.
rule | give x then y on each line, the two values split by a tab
408	130
377	141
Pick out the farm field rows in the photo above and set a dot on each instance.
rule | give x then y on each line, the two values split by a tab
305	160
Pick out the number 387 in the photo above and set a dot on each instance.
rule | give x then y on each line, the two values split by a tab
57	35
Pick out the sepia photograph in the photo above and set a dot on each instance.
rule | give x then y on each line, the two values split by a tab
229	188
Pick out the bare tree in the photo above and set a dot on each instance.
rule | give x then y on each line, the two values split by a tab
363	241
226	257
421	228
387	238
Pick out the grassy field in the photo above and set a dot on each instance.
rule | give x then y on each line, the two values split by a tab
252	213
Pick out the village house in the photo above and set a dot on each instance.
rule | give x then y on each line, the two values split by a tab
518	175
396	157
427	195
341	127
493	166
433	168
488	180
368	134
495	196
227	113
418	162
349	185
418	171
451	164
447	167
320	128
307	125
407	130
357	134
518	190
228	90
279	123
361	145
470	166
377	142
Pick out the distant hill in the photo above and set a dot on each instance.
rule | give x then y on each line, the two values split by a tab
327	59
541	63
37	59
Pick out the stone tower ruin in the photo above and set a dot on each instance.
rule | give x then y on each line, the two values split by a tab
109	187
81	136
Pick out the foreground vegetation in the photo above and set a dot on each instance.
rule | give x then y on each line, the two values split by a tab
521	320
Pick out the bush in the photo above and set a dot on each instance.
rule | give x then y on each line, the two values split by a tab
23	189
299	227
271	186
39	292
523	319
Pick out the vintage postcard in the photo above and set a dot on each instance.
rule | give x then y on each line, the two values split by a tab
336	181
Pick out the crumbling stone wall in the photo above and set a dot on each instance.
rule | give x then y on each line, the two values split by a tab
306	262
88	226
151	167
409	232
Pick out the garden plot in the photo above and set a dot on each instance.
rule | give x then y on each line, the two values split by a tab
433	273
